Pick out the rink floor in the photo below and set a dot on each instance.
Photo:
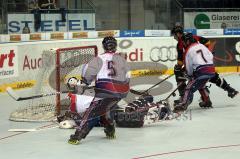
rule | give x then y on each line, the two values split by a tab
212	133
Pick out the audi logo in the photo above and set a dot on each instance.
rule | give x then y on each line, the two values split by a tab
164	53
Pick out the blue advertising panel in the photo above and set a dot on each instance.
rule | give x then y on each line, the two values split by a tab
51	23
132	33
231	32
193	31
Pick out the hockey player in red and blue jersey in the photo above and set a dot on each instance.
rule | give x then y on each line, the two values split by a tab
110	72
179	70
198	62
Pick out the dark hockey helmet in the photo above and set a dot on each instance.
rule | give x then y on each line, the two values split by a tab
109	43
177	29
188	36
148	98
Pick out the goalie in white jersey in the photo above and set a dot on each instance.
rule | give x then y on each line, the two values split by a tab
110	72
199	68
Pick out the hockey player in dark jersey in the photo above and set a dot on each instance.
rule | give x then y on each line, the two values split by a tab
111	75
179	70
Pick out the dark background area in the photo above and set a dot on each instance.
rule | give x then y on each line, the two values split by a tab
210	3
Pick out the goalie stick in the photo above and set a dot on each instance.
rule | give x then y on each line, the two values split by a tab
44	127
16	97
146	91
30	130
22	130
53	124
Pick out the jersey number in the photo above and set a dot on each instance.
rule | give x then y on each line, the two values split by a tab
111	68
200	52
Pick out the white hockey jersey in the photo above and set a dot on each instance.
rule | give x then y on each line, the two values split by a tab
113	67
110	71
197	55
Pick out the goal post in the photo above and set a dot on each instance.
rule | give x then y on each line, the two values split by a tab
57	66
86	53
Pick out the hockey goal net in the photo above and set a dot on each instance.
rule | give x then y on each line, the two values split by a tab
57	66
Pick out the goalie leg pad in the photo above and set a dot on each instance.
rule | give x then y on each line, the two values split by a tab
67	124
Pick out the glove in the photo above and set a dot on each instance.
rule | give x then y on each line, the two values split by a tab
177	67
81	83
180	73
179	70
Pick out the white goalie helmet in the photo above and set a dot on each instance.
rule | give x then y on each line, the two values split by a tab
67	124
72	82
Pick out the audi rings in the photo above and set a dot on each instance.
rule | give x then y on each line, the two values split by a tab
164	53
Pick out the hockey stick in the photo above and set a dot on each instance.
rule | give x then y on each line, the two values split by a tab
173	92
137	92
45	127
16	97
21	130
52	125
161	101
49	126
30	130
146	91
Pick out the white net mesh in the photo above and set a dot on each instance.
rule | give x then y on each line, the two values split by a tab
52	79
